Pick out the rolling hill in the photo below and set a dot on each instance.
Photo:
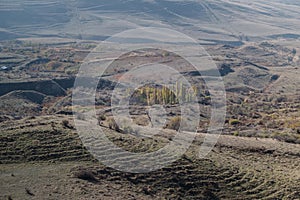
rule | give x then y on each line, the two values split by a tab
209	21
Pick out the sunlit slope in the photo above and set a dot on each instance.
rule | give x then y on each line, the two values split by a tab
207	20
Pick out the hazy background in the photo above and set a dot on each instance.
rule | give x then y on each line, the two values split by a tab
209	21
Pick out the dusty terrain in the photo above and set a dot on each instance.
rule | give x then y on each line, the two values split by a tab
40	160
209	21
256	157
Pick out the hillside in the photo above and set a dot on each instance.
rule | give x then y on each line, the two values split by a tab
87	114
237	168
230	22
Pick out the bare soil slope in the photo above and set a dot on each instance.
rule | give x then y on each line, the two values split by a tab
43	158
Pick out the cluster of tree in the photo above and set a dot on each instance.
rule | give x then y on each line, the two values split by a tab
172	94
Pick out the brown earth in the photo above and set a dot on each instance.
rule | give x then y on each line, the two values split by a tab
43	158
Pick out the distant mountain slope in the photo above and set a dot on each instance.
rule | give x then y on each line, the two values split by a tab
208	20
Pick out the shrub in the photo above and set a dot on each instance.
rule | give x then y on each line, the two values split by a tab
174	123
236	133
66	124
128	130
142	121
85	175
234	122
113	125
102	117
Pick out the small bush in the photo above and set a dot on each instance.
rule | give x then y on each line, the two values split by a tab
102	117
85	175
128	130
234	122
67	124
113	125
142	121
174	123
236	133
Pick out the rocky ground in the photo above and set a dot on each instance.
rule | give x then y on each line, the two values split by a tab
43	158
257	157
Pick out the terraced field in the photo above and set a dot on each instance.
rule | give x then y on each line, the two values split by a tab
48	148
39	140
